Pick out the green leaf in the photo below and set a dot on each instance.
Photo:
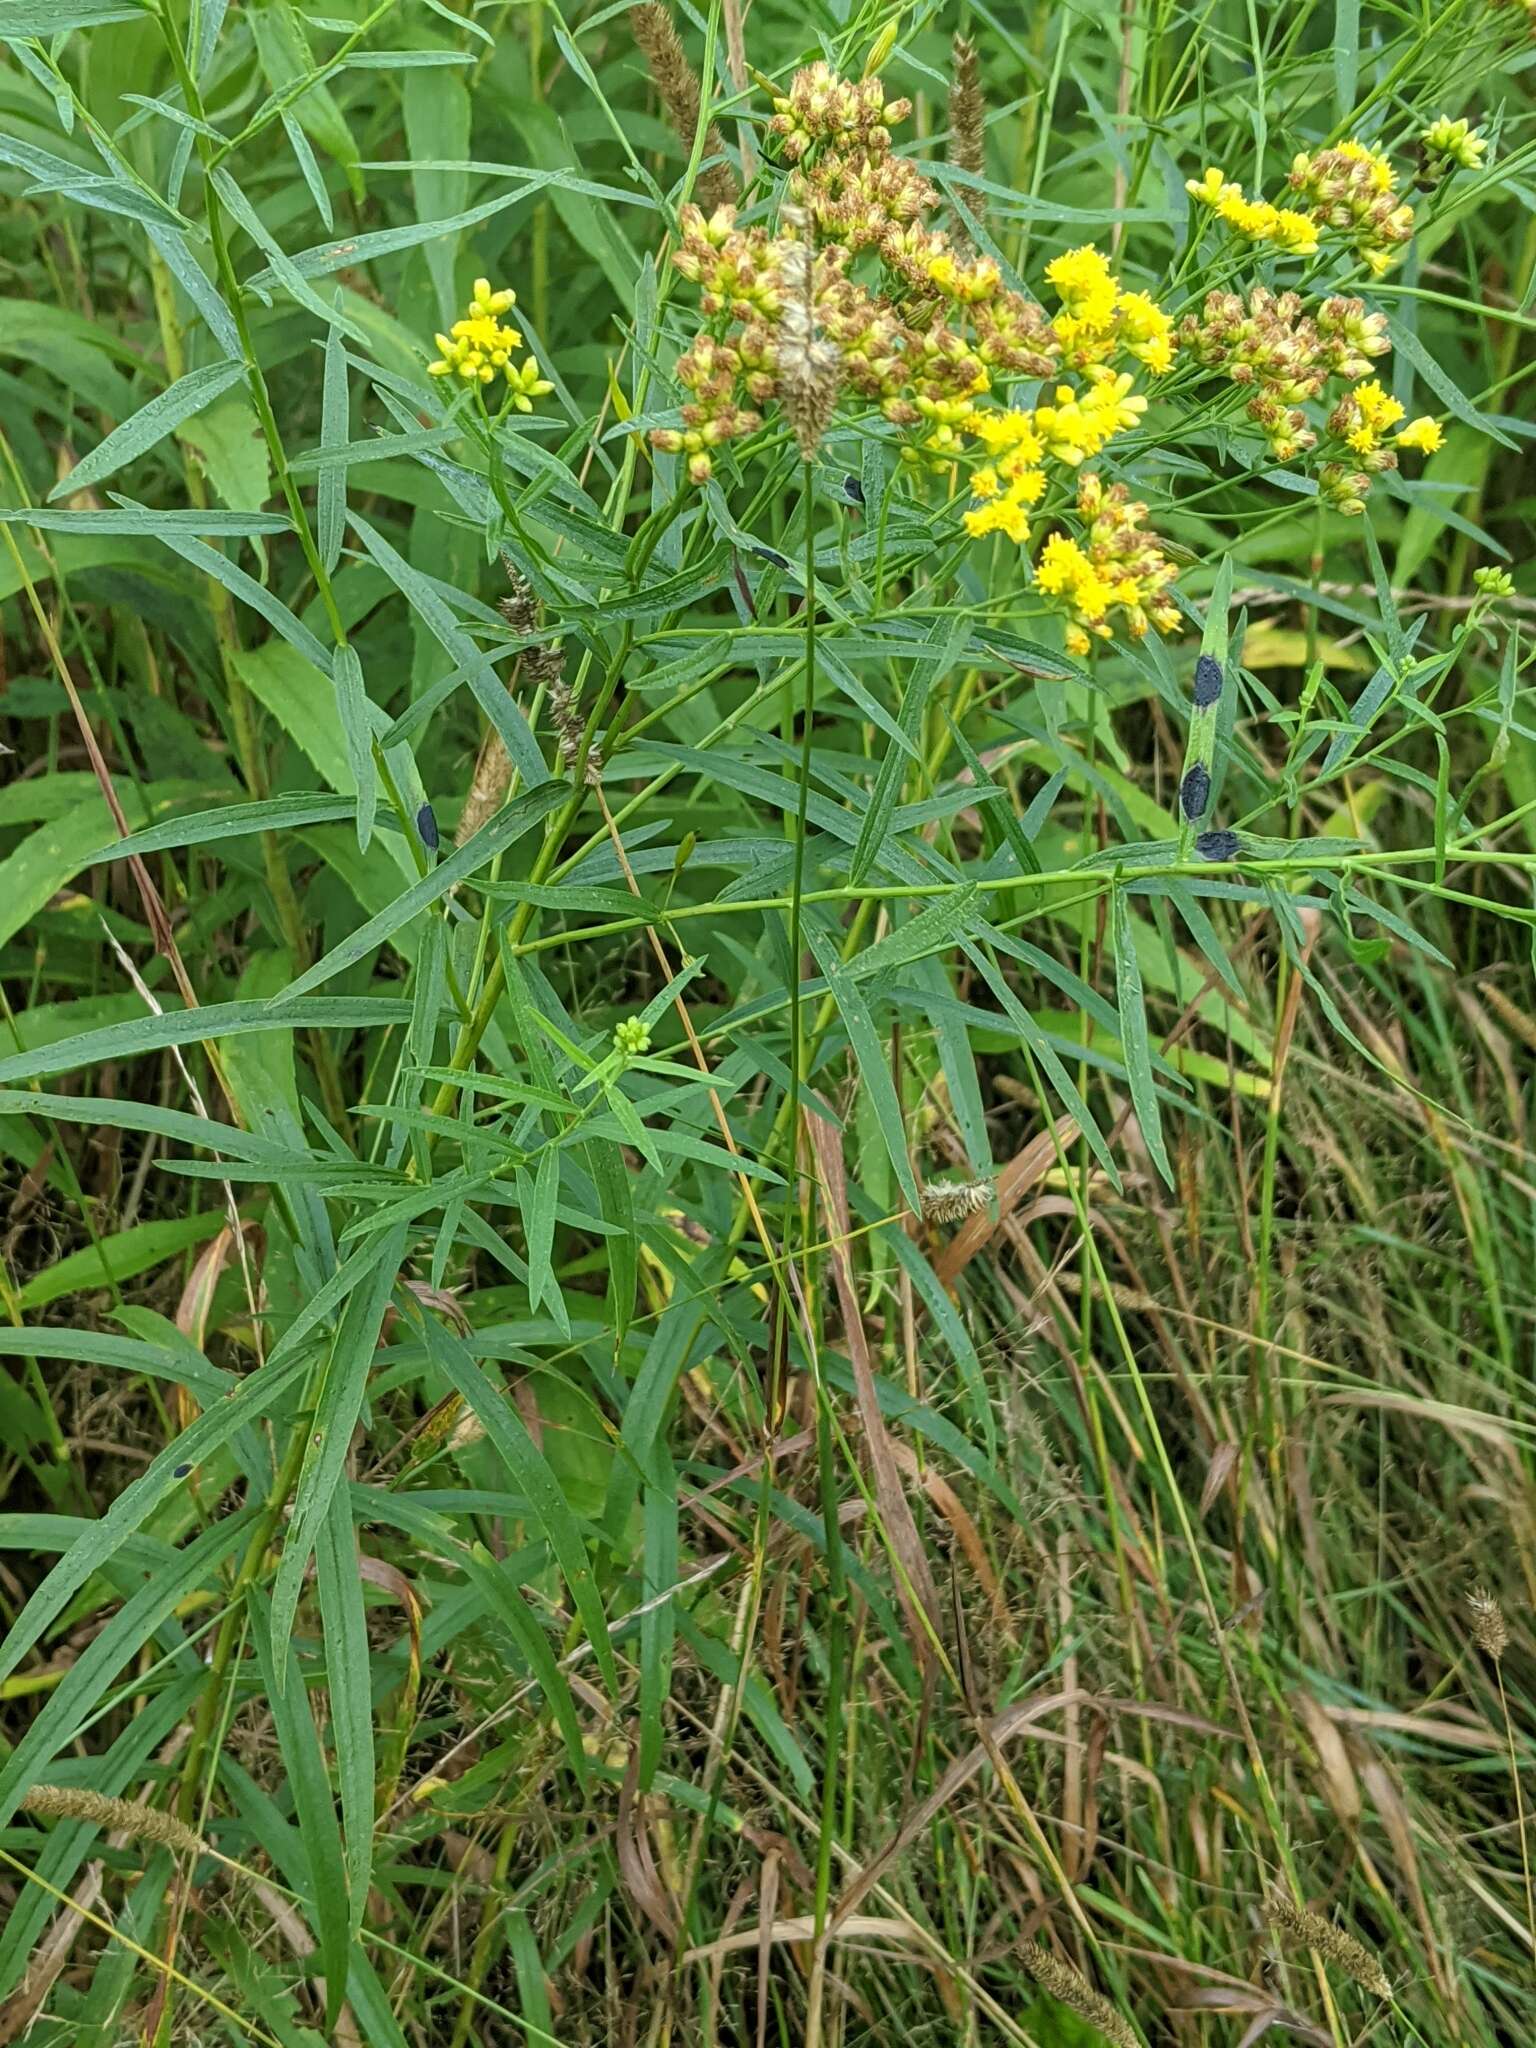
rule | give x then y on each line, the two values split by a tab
508	1434
873	1062
228	443
150	424
72	1702
25	19
314	1804
249	591
349	1680
231	821
437	124
335	410
300	695
46	859
490	692
339	1396
283	48
509	824
1133	1034
508	1606
214	1020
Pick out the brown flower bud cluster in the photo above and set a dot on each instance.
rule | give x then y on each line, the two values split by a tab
821	107
1269	343
1353	190
920	343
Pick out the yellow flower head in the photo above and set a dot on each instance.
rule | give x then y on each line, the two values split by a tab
1423	434
1001	515
1087	290
1296	233
1364	416
1146	330
479	347
1213	190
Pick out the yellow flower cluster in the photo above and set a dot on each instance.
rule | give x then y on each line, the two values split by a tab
923	340
1350	189
1121	568
1364	417
1373	411
1294	234
1360	424
1098	319
481	345
1423	435
1096	322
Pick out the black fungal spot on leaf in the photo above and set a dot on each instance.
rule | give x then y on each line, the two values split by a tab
1195	792
1218	846
180	1471
1208	681
426	825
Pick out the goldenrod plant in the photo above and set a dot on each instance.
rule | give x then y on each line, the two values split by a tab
767	821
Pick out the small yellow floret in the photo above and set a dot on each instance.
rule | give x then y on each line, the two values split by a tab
1423	434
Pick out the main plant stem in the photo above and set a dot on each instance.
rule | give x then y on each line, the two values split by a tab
798	1197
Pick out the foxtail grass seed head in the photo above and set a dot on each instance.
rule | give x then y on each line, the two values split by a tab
677	86
122	1816
967	123
1488	1627
1070	1988
951	1201
1312	1931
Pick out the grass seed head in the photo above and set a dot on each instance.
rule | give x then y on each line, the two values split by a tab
967	123
1313	1932
951	1201
1072	1989
677	84
1488	1627
126	1816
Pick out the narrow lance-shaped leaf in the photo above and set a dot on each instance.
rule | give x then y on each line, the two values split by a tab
509	824
1133	1034
149	425
1209	684
314	1803
349	1680
871	1058
338	1404
547	1505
